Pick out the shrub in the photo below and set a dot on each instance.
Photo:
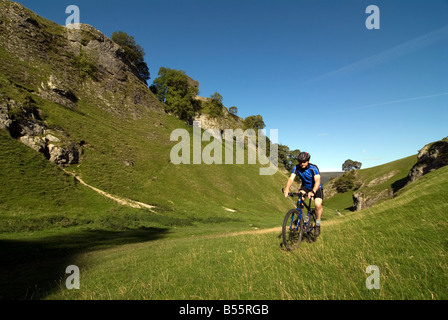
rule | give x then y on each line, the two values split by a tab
345	182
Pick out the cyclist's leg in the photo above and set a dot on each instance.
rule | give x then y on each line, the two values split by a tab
318	200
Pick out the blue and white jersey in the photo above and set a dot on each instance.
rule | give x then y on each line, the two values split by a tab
306	175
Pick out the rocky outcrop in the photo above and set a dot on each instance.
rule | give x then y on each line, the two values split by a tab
431	157
58	92
330	189
193	83
67	65
221	123
23	123
226	121
382	178
363	200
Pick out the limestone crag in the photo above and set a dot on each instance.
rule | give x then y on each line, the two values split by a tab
431	157
32	131
362	200
63	66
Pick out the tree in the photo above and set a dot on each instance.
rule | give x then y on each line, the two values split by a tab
215	106
254	122
216	98
233	110
351	165
173	89
134	53
345	182
287	157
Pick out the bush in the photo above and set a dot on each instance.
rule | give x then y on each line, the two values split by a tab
345	182
215	106
233	110
173	89
84	65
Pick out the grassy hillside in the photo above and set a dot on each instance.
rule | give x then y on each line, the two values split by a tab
37	195
384	179
404	237
181	192
117	121
213	231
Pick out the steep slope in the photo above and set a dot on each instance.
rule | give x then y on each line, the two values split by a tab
37	195
374	185
72	95
370	186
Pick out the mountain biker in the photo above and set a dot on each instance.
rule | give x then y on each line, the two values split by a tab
311	184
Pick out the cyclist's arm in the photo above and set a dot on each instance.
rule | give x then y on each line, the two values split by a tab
289	184
316	183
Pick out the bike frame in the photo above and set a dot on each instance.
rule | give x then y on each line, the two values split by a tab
300	204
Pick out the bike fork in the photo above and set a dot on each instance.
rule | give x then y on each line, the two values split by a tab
298	222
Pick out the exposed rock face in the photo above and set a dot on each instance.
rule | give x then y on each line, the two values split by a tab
382	178
330	189
363	201
66	65
63	66
32	131
193	82
431	157
56	91
221	124
227	121
65	155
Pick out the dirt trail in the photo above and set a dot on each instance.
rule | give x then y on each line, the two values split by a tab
264	231
140	205
120	200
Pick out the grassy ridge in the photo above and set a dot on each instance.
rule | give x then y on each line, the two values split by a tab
387	178
38	195
405	237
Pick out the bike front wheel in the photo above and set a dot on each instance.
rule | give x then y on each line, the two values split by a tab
311	228
292	230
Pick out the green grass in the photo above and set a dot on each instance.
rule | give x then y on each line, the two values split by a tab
39	196
186	248
405	237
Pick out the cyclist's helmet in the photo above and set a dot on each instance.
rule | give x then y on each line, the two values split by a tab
304	157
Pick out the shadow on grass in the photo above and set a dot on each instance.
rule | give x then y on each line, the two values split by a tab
32	269
399	184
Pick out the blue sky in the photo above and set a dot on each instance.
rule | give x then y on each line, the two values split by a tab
311	68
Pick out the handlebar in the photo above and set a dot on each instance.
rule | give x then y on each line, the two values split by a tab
296	194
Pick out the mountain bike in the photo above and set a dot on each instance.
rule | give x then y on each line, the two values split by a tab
297	224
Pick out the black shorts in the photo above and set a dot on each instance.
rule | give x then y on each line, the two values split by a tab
319	193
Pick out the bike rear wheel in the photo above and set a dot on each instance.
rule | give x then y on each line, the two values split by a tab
291	233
